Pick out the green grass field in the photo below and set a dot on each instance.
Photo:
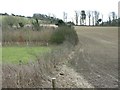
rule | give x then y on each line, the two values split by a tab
26	54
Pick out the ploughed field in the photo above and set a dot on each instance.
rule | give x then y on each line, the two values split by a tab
97	55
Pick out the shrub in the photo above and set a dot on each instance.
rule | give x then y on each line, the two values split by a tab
36	25
60	23
64	33
58	37
21	24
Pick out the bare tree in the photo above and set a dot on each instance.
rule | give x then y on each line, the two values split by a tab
96	17
109	20
93	17
76	17
102	19
64	16
113	15
114	19
89	16
83	17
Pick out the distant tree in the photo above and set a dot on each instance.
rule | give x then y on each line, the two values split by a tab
93	17
96	17
83	17
76	17
102	20
109	22
65	16
45	18
6	14
60	23
13	14
36	25
113	15
89	16
112	19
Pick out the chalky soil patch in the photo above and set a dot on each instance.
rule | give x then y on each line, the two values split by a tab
69	78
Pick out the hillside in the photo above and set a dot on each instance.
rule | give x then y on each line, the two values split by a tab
16	19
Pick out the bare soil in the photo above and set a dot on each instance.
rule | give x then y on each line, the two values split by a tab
94	62
96	57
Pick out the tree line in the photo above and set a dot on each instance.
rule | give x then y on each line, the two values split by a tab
95	18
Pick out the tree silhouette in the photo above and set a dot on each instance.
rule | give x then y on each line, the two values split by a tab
76	17
89	16
83	17
93	17
96	17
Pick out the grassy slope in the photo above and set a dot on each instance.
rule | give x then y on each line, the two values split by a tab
24	20
14	54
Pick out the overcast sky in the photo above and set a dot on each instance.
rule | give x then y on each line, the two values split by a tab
57	7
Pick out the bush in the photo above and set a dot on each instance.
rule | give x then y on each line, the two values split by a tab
64	33
58	37
21	24
36	25
60	23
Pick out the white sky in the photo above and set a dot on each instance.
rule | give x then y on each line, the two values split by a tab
57	7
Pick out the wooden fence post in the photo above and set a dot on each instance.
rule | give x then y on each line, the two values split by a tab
20	73
53	83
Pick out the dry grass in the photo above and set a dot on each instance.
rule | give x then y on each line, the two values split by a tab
26	36
38	74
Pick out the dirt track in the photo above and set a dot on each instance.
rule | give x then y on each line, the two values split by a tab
96	57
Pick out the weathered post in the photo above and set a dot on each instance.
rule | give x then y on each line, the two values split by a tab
53	83
20	73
